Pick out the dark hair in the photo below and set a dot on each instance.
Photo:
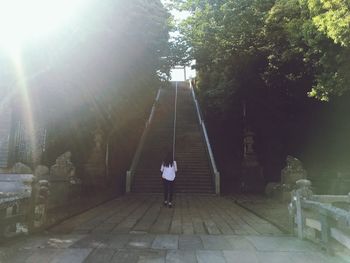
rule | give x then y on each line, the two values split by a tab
168	161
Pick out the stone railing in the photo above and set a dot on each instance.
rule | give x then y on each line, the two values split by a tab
23	204
31	201
324	219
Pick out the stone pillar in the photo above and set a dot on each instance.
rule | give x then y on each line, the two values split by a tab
252	179
292	176
293	172
303	191
39	205
64	182
304	188
95	169
63	166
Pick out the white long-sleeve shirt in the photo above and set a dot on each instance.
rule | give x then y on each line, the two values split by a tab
169	172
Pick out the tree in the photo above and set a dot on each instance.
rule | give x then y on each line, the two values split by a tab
331	17
301	41
105	67
275	55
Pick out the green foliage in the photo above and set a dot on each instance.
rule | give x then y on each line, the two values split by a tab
272	54
297	46
331	17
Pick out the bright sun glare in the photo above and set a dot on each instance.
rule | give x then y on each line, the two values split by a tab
23	20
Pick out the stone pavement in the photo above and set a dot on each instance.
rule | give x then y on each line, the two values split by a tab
273	211
137	228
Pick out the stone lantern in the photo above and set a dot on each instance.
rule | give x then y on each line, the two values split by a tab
252	179
95	168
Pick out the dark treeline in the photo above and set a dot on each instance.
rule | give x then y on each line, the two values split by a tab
288	60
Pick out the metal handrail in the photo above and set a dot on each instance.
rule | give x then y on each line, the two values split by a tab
135	160
175	110
216	173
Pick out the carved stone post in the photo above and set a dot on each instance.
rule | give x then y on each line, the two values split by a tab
38	205
302	192
252	178
39	199
95	168
64	182
304	188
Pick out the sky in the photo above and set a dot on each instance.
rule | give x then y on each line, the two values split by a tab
178	74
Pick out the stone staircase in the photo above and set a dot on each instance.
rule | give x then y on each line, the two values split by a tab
194	174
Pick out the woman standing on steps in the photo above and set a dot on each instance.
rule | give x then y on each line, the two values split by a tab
168	169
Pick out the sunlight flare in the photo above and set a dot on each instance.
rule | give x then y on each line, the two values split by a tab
21	21
21	84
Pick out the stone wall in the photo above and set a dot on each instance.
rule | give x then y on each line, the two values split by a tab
49	196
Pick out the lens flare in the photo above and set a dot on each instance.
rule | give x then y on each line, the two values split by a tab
21	85
22	21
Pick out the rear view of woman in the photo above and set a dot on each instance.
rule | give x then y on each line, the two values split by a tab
168	169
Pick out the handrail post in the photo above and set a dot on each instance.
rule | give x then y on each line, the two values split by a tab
299	216
325	231
303	192
216	174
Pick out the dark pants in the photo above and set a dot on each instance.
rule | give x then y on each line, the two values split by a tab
168	190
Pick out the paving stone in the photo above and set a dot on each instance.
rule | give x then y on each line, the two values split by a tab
242	256
198	225
205	256
81	231
192	242
140	241
166	242
163	222
181	256
240	243
14	255
137	245
276	257
280	244
104	228
118	240
268	208
63	241
266	229
33	242
211	227
151	256
148	219
215	242
176	225
43	255
69	255
91	241
315	257
100	255
125	256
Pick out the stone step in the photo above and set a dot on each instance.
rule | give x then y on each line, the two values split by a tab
194	173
